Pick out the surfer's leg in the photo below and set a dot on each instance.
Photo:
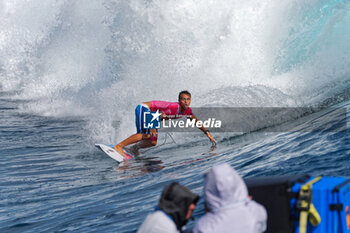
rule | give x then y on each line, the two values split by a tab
149	139
139	112
142	134
130	140
146	143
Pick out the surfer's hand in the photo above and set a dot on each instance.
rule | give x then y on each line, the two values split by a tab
211	139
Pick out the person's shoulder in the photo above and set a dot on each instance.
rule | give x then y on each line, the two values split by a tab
257	211
205	224
162	102
259	214
158	222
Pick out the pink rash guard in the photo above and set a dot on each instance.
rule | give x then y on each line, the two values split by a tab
170	109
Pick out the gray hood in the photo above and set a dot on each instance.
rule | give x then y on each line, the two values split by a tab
224	188
230	209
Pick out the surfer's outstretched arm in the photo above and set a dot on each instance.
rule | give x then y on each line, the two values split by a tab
206	132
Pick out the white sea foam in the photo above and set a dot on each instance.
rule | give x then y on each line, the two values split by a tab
101	58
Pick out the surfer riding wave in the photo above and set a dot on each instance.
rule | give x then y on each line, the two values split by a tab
146	137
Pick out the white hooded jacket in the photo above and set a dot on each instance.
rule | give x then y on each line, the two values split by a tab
231	210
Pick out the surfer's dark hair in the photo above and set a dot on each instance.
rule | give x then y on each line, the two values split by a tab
184	92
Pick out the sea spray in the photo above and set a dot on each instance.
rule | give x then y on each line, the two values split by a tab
102	58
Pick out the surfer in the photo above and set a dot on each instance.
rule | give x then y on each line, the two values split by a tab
145	137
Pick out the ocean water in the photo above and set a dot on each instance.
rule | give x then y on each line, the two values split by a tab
71	74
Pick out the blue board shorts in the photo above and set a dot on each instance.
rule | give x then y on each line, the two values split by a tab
139	120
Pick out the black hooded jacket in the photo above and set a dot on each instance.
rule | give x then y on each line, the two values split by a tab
175	201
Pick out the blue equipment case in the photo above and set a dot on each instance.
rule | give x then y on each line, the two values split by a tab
331	198
282	198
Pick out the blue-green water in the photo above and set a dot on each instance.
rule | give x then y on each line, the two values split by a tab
53	181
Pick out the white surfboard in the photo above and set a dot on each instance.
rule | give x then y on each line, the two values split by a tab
110	152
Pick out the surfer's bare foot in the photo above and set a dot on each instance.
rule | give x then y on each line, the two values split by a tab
119	149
